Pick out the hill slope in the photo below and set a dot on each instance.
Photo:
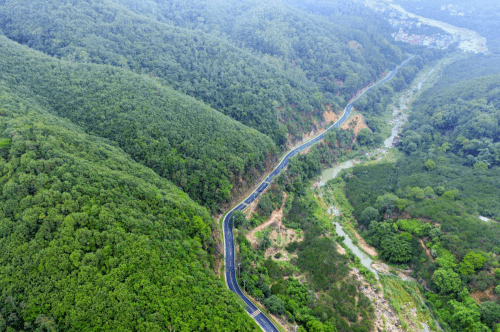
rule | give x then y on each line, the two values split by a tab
299	40
210	69
91	240
201	150
260	63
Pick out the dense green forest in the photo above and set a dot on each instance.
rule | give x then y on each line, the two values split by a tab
316	45
446	177
263	64
201	150
92	240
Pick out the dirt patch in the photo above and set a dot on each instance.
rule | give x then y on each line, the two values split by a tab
487	295
365	246
279	235
285	256
293	142
273	221
427	251
329	115
381	268
308	136
340	249
306	150
249	211
355	122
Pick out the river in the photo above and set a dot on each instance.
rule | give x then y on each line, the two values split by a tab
399	118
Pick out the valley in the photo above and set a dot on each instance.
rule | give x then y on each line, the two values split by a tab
248	165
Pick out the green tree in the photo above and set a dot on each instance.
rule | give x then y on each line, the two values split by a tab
430	165
440	190
483	280
379	231
466	314
490	313
429	192
365	136
417	193
265	205
386	202
396	249
447	280
239	219
470	263
481	165
317	326
368	215
435	233
275	305
446	259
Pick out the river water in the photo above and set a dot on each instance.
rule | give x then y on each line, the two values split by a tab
331	173
366	260
327	175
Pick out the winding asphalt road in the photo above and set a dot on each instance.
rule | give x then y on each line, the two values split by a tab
230	271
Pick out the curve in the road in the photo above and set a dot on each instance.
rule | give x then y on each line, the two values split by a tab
227	226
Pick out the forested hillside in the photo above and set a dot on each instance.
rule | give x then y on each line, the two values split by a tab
210	69
201	150
443	191
92	240
311	46
261	63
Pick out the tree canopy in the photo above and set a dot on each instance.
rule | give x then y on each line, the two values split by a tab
92	240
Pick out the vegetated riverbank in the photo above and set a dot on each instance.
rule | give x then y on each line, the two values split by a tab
404	308
397	298
400	106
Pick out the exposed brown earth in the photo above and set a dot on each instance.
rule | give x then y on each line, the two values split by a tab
427	251
340	249
487	295
329	115
355	122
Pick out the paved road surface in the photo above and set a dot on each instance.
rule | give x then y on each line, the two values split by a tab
230	272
